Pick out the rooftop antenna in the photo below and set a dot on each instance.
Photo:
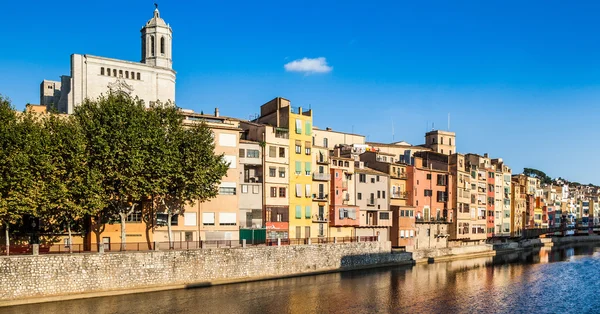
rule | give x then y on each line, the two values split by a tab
433	126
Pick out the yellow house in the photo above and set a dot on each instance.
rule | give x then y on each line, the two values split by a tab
279	113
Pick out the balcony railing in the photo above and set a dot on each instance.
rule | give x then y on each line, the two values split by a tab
400	195
321	176
320	218
320	197
323	161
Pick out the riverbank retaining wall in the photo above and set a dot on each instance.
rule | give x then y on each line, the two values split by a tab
451	251
49	275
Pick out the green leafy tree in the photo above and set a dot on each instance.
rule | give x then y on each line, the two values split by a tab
534	173
182	168
73	188
22	166
115	132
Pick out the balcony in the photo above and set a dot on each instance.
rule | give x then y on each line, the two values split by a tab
322	160
370	201
403	175
400	195
321	176
320	197
320	218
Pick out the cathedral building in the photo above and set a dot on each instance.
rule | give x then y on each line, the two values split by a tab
152	79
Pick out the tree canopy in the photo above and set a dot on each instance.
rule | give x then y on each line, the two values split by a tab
103	162
534	173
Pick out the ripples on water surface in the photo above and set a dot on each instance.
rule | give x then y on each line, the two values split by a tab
542	281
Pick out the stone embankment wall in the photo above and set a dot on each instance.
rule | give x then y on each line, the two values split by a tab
452	251
48	275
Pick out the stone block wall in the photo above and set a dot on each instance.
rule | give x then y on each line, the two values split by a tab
47	275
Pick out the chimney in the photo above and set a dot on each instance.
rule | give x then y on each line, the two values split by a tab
216	112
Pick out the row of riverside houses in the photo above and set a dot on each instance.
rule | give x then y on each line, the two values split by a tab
298	181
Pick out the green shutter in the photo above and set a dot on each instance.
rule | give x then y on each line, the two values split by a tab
298	167
307	212
307	129
298	211
298	126
307	165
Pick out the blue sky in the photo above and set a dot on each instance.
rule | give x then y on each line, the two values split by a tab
520	79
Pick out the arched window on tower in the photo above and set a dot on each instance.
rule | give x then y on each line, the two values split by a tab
114	72
138	75
126	74
108	71
152	45
162	45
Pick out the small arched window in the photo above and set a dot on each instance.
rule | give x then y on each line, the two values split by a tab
138	76
162	45
120	73
126	74
115	72
101	71
108	71
152	45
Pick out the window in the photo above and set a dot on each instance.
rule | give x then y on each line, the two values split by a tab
325	143
208	219
346	164
362	178
307	190
272	172
441	179
67	243
272	151
255	189
138	76
377	178
152	46
427	193
307	212
227	140
273	192
162	45
108	71
298	148
115	72
281	152
307	166
442	142
384	216
359	196
441	196
120	73
307	148
245	188
450	143
298	212
429	176
232	160
307	128
175	220
335	162
382	194
281	192
298	126
242	153
226	190
227	219
101	73
282	172
298	190
252	153
136	216
378	194
372	180
126	74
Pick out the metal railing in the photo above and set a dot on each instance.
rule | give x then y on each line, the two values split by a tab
321	176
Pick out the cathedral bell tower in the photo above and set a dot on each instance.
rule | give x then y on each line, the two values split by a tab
157	39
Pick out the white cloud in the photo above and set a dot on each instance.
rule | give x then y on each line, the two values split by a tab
308	65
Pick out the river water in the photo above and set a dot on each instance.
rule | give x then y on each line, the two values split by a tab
563	280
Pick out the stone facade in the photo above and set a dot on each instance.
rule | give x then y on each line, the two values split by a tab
46	275
151	80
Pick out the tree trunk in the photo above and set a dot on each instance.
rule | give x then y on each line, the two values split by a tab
123	216
7	234
169	231
70	238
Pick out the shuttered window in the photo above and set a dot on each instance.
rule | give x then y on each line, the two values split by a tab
298	211
307	213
